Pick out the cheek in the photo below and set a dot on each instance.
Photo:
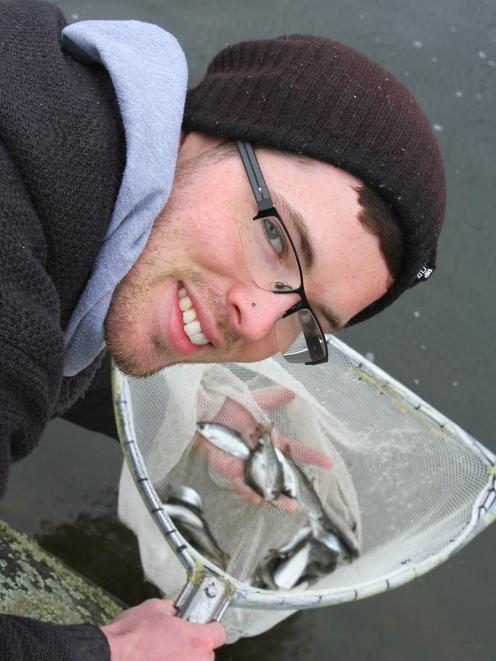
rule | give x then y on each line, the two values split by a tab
217	246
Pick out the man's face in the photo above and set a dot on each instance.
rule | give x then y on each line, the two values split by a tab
194	250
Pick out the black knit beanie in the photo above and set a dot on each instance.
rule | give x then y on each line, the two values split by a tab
312	96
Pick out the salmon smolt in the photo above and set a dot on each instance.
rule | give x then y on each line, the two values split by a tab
263	470
316	549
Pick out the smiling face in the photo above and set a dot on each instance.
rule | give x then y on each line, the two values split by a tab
190	296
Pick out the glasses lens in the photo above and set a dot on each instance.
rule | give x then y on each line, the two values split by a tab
269	254
299	338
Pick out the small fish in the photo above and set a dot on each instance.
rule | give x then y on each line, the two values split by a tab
289	478
320	520
263	471
224	438
329	541
184	495
302	535
290	570
195	529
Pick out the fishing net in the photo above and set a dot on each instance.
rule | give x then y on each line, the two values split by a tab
407	483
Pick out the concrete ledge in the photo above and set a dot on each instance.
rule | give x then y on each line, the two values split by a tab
35	584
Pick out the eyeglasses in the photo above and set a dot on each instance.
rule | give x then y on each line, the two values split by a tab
274	265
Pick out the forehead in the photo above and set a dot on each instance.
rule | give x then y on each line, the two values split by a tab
310	179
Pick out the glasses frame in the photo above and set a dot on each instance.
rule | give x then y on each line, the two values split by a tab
266	208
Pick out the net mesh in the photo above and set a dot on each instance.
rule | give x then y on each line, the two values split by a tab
404	484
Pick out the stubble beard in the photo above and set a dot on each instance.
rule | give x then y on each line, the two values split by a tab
132	293
123	316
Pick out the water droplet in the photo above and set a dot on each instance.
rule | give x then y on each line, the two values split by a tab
481	54
417	44
478	96
416	314
370	356
455	384
75	16
458	93
423	347
437	127
491	63
452	28
416	382
361	16
434	59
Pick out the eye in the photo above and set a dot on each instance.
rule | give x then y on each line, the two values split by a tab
274	235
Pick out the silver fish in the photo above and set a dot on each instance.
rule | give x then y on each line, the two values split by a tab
263	471
330	541
302	535
320	563
184	495
289	571
195	529
224	438
289	477
320	520
286	567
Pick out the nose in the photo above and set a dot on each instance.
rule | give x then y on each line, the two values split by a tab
254	310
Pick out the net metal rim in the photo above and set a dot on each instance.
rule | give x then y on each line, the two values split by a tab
247	596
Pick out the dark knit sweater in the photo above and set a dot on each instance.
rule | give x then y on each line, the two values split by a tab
61	160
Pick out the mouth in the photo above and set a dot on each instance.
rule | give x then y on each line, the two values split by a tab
191	324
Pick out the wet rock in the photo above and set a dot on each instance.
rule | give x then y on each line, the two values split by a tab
34	583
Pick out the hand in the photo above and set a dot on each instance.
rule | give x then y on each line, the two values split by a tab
150	632
235	416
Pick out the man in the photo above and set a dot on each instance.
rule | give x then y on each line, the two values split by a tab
105	235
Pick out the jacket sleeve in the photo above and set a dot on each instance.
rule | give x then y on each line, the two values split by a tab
31	355
95	410
24	639
31	341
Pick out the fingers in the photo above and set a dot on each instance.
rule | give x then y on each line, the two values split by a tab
268	398
223	462
217	634
286	504
234	415
247	492
149	632
302	453
168	607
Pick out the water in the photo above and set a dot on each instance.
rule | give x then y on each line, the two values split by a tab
438	339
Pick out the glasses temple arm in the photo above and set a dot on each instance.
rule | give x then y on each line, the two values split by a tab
255	176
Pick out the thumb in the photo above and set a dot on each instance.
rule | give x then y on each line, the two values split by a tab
217	634
169	607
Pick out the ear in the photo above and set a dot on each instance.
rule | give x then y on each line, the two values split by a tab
193	144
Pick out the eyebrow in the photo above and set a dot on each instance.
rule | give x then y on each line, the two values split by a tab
301	229
297	221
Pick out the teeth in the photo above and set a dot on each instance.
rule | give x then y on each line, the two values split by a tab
192	326
199	339
189	315
185	303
